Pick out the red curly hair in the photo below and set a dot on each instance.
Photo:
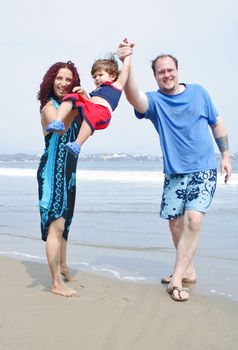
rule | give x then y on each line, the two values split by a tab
46	87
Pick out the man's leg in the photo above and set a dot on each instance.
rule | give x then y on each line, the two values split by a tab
186	249
176	227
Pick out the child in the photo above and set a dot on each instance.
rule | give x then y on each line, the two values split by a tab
96	109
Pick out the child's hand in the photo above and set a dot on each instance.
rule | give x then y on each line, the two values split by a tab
78	89
81	91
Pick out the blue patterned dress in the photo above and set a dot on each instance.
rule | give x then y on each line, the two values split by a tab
56	178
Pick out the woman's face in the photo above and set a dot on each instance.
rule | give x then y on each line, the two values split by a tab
62	82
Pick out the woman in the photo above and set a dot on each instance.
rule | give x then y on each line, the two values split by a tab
56	174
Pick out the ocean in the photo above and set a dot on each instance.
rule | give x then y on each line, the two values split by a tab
116	229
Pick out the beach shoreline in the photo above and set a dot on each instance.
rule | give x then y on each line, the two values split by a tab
109	314
216	276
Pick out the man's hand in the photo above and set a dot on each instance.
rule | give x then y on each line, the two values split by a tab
125	48
226	168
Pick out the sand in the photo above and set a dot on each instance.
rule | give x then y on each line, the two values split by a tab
108	315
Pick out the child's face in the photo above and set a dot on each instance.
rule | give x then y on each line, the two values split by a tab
101	76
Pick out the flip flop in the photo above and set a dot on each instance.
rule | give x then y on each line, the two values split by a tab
179	290
55	125
167	280
73	148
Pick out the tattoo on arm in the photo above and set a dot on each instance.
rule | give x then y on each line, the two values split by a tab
222	143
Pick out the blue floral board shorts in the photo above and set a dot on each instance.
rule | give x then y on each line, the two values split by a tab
187	192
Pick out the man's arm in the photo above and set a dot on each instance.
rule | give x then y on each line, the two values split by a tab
137	98
221	138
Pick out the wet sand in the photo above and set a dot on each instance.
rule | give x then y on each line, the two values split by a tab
108	315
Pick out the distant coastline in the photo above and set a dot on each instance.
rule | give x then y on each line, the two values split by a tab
25	157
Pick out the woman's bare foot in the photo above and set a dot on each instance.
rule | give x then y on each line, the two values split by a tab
60	288
65	292
67	276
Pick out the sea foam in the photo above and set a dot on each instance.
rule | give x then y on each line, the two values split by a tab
109	175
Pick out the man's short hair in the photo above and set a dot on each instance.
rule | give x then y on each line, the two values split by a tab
164	56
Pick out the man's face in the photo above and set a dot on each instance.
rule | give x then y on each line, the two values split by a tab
166	75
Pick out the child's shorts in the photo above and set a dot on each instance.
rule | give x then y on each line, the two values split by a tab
97	116
184	192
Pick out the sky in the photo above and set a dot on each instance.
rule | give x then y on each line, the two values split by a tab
203	35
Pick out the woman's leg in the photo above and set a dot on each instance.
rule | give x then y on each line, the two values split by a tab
53	245
63	262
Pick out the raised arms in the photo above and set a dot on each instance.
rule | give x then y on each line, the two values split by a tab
134	95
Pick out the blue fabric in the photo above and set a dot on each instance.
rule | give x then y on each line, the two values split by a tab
184	192
110	93
182	123
56	179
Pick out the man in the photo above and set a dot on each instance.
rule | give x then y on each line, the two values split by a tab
182	114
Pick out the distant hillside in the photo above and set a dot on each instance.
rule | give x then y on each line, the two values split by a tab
24	157
19	157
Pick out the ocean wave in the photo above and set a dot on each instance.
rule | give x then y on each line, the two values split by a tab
82	264
123	248
95	175
109	175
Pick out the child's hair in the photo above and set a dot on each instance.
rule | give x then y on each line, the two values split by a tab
108	64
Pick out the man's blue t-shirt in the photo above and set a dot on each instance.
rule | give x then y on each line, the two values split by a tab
182	123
